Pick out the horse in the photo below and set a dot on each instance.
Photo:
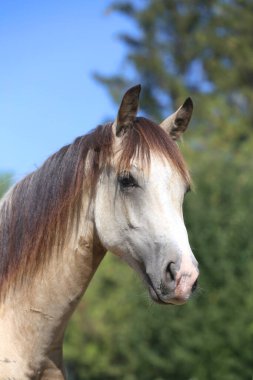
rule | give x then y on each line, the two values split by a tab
119	188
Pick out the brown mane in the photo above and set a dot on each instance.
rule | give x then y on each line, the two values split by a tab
36	215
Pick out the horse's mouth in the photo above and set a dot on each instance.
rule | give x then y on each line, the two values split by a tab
152	291
170	301
156	297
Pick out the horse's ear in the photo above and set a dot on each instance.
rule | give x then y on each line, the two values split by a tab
128	109
178	122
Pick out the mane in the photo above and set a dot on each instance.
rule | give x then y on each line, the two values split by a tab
39	213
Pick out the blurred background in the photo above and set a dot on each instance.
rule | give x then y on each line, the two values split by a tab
63	69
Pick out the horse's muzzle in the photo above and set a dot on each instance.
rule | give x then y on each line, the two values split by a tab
176	288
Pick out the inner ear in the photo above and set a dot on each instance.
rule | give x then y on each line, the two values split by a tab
178	122
128	109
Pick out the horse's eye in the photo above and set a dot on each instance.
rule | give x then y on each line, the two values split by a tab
127	181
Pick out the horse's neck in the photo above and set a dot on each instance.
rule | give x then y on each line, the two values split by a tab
32	322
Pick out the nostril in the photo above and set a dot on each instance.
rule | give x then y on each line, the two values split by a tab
171	270
194	286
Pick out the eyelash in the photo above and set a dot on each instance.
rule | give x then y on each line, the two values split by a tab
127	181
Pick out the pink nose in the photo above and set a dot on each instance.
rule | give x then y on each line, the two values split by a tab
186	284
182	279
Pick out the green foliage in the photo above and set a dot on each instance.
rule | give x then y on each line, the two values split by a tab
202	49
5	183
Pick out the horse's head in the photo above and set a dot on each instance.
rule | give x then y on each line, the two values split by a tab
138	204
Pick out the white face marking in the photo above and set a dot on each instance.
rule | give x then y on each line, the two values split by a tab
141	220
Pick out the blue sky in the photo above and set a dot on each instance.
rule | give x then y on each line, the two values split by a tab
49	50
